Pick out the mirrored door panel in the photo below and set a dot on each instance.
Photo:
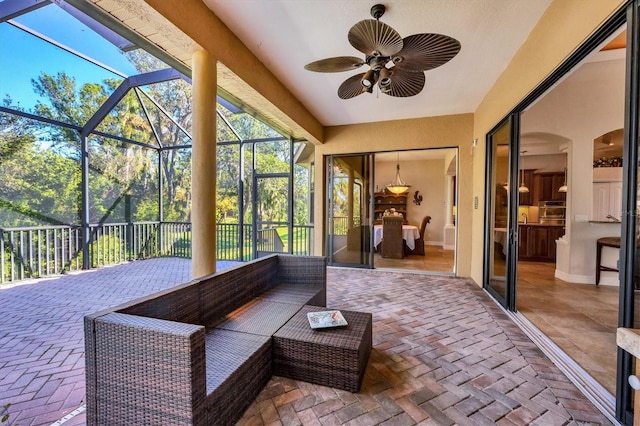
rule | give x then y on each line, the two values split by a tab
498	203
349	207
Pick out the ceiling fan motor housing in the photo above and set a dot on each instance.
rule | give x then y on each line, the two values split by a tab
377	10
377	62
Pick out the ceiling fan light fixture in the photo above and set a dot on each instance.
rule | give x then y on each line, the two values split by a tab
368	79
384	79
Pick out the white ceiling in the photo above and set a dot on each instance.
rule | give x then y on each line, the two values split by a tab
287	34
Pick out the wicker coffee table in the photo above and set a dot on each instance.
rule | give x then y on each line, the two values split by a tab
335	357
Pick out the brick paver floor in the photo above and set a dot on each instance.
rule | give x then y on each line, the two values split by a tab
443	354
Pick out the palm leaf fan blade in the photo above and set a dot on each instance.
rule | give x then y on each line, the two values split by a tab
337	64
405	83
423	52
351	87
375	38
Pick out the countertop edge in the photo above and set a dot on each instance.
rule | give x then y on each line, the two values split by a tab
629	340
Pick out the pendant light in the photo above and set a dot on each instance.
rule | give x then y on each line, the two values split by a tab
522	188
398	186
564	187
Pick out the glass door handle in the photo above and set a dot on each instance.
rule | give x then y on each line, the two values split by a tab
634	382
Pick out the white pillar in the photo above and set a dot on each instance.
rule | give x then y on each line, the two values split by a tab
203	165
350	199
448	214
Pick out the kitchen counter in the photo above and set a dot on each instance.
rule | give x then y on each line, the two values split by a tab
537	241
629	340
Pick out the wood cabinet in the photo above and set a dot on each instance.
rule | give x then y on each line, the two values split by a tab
546	187
389	200
538	242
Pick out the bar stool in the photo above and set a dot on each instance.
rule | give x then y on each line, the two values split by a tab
605	242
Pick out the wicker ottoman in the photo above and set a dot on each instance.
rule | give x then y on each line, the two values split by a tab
335	357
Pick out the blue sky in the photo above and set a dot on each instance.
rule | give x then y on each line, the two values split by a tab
24	57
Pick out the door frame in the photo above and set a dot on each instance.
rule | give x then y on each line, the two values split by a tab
256	220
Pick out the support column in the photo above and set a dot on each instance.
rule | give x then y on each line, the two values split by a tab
449	242
203	165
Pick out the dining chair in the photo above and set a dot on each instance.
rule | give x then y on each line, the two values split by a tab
419	249
392	246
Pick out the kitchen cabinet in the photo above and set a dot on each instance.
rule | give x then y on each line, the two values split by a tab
389	200
555	232
546	187
537	243
607	200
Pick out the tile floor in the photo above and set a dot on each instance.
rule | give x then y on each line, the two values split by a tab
436	259
580	318
444	353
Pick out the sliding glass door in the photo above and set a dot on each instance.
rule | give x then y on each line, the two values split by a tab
501	217
349	207
501	224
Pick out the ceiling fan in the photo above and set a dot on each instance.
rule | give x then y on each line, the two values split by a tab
397	65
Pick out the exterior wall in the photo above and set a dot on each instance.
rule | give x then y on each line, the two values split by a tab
432	132
563	27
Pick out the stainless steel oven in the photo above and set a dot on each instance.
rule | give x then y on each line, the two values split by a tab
552	212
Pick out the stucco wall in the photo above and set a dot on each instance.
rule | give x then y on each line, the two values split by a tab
432	132
563	27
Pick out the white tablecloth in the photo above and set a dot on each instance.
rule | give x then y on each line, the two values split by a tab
500	237
409	233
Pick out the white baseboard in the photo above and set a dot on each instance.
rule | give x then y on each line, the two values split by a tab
452	247
434	243
586	279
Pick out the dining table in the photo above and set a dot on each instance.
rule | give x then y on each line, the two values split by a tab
410	234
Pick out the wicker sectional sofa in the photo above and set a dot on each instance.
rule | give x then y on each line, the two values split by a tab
198	353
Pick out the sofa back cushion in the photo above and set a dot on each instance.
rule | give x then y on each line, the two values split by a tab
226	291
180	304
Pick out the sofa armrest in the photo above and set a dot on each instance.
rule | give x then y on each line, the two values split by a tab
145	370
303	270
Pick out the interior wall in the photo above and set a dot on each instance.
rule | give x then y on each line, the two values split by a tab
586	105
426	176
544	163
565	25
432	132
